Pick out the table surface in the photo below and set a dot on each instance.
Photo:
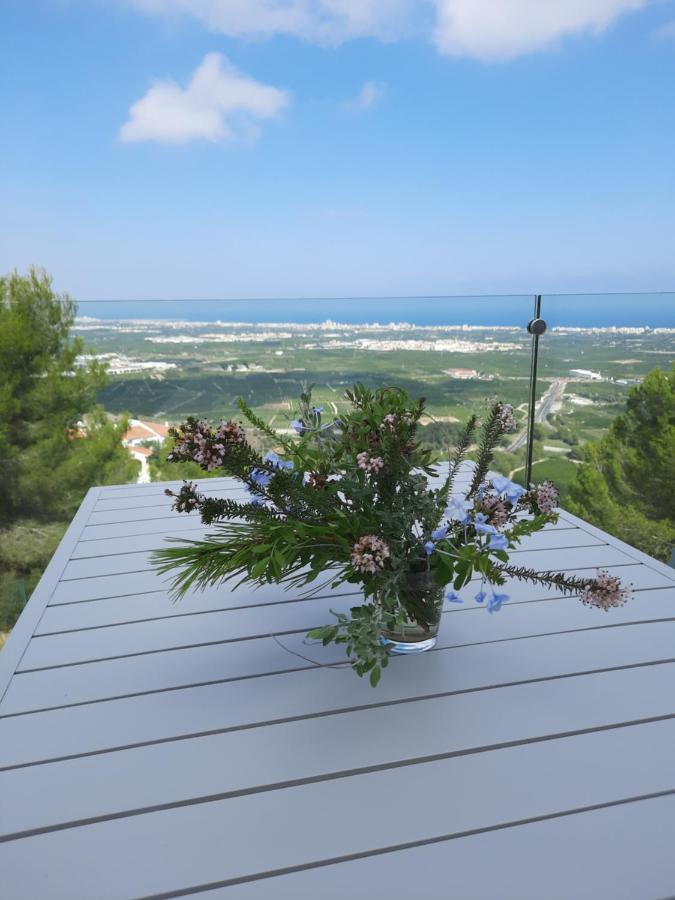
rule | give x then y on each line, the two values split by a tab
159	749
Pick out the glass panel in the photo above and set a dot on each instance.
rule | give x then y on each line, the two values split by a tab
607	436
166	360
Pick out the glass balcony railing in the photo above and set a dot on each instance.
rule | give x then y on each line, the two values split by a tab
603	426
161	361
168	360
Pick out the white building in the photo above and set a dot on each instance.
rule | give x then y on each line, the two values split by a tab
142	455
586	374
141	432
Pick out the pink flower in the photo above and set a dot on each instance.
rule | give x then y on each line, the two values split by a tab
496	510
605	592
369	554
362	461
546	495
196	441
367	463
507	419
230	431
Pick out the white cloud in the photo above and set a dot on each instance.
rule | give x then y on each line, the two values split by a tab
218	104
489	30
321	21
667	30
370	94
496	30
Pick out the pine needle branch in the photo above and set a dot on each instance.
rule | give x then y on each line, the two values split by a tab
213	509
490	434
568	584
262	425
455	461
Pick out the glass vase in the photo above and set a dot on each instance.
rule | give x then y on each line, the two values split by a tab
420	633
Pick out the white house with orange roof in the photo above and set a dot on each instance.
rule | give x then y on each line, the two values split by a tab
142	432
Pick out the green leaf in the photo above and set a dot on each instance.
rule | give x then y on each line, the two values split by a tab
258	569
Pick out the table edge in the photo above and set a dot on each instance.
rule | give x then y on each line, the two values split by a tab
20	636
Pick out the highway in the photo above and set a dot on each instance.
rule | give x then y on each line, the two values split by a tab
542	410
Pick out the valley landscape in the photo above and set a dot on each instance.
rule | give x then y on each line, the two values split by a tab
165	370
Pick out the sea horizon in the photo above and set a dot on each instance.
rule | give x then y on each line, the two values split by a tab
574	311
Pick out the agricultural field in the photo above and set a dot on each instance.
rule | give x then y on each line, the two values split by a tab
167	370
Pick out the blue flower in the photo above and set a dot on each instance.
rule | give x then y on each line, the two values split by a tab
514	492
440	533
498	542
317	410
495	602
429	547
481	526
261	478
510	489
274	460
257	501
453	597
457	509
297	425
500	483
480	596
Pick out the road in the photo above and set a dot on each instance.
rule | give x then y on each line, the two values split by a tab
542	410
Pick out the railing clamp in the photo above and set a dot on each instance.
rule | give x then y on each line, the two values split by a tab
537	326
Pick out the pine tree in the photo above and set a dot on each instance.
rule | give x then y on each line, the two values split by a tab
626	483
54	440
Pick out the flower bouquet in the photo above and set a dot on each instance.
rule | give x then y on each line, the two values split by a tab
350	501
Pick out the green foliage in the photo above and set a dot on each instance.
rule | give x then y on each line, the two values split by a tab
560	471
562	431
626	483
47	400
25	550
54	441
441	435
350	502
456	459
360	633
490	434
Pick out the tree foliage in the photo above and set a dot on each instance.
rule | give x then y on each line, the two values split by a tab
25	549
626	483
54	441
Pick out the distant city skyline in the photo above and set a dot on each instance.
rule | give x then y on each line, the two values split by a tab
185	148
602	311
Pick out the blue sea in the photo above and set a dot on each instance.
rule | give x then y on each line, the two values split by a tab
583	311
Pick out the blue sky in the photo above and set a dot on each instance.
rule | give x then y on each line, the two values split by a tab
214	148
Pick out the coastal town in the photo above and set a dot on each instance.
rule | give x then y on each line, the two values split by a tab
161	369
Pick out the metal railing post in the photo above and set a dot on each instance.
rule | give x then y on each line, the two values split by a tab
536	327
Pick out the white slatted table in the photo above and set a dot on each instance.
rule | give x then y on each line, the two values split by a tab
149	749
